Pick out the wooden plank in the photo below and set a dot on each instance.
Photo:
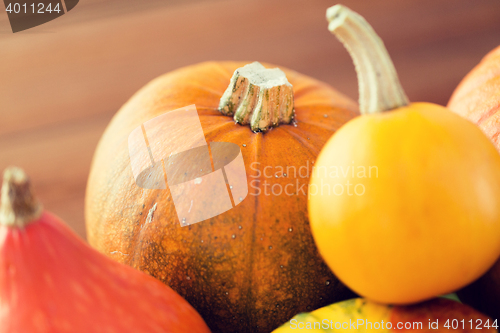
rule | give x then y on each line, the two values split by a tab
96	64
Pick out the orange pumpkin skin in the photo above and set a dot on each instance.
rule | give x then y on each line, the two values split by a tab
477	97
250	268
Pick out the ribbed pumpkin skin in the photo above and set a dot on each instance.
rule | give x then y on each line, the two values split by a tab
477	97
251	268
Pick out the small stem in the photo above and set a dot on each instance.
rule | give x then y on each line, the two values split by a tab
18	206
379	86
258	96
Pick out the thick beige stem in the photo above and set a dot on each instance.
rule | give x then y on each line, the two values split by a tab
18	205
258	96
379	86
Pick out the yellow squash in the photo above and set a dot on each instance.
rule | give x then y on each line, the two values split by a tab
404	201
360	315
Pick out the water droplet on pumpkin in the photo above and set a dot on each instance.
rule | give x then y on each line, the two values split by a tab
241	199
261	238
227	293
202	240
290	229
327	282
325	115
276	176
270	247
233	236
284	175
188	278
281	266
231	187
244	145
277	305
294	124
240	227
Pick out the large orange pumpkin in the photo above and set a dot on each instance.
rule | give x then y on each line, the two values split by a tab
253	267
477	97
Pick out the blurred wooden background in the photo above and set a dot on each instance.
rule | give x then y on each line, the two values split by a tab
60	83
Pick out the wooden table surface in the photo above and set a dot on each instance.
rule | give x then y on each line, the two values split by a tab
60	83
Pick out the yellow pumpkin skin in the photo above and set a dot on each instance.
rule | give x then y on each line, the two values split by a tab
428	221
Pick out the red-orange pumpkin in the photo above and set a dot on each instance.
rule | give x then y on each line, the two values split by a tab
52	282
251	268
477	98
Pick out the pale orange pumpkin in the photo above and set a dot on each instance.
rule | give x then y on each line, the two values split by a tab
252	267
477	97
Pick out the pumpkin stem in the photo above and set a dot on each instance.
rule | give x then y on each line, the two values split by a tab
258	96
18	206
379	86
